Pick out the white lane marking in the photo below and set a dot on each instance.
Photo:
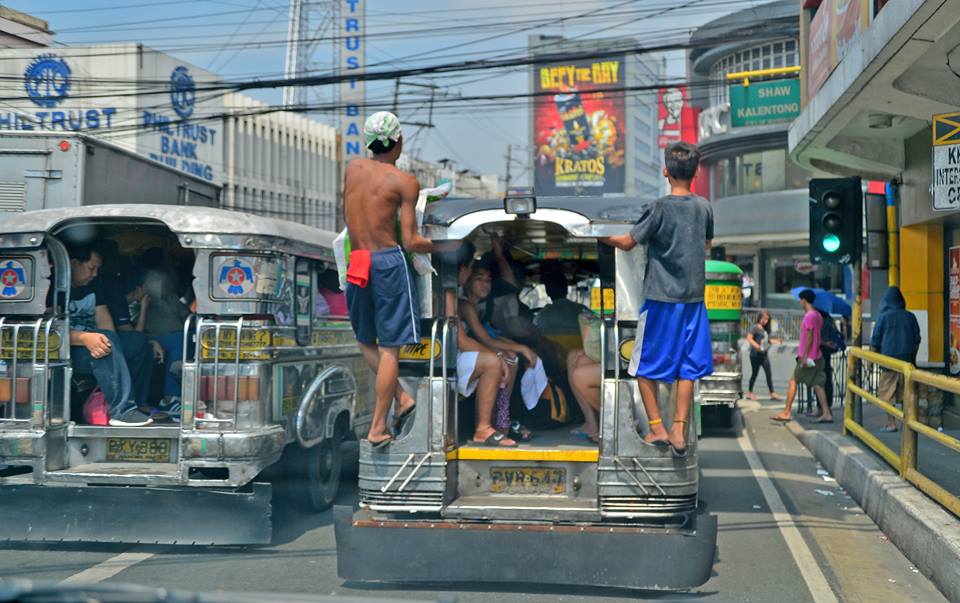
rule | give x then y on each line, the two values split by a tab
804	559
107	569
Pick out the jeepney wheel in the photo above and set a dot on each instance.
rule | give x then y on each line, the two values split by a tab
320	474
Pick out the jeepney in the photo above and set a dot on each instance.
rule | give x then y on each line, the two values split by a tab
436	507
269	387
717	394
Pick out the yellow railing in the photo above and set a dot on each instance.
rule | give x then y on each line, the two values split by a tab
904	461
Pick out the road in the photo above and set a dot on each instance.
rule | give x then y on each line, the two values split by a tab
786	533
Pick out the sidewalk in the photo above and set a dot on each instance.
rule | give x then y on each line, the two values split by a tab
927	534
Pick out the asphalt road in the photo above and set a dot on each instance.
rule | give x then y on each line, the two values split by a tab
786	533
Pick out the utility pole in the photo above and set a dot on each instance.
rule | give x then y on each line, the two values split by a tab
506	183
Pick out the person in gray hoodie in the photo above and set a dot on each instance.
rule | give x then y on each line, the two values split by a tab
896	334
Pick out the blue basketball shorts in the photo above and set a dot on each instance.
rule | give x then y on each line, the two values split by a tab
673	342
387	310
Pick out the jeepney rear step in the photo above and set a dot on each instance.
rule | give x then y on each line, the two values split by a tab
522	508
136	515
157	474
597	554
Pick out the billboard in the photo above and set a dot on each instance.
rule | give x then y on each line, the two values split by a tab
579	127
835	27
671	103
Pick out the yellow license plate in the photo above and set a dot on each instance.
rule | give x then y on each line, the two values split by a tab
528	480
138	450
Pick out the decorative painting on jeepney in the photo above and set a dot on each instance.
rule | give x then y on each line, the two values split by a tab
247	277
291	381
15	278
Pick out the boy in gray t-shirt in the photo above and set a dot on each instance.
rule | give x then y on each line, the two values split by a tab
673	333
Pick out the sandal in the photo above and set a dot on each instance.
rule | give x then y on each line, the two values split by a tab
381	444
888	429
495	441
399	419
658	442
519	432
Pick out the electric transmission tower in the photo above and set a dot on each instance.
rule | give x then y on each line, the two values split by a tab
313	34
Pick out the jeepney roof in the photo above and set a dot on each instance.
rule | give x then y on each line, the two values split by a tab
181	220
598	210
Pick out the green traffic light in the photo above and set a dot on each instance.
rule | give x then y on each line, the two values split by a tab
831	243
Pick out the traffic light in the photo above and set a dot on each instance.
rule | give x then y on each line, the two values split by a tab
836	220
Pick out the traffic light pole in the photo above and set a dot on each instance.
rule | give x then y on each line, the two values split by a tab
857	327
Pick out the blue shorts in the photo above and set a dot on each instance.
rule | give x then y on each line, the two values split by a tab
387	310
673	342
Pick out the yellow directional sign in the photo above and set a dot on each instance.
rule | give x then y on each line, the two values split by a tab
946	129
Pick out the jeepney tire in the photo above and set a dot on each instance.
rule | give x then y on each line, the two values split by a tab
317	471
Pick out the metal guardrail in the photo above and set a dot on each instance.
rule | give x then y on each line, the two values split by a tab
904	461
784	324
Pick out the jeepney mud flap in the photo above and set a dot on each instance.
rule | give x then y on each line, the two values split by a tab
135	514
442	551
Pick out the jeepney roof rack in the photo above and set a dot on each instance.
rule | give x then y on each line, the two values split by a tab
612	210
182	220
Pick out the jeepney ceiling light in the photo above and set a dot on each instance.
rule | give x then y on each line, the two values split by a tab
520	201
879	121
64	145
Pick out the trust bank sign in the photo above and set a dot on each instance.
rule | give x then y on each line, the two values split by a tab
132	96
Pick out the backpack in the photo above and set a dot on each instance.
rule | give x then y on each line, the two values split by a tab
830	337
553	409
95	409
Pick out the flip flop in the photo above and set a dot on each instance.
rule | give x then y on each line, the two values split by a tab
657	443
678	452
381	444
399	419
494	441
519	432
821	420
886	429
780	419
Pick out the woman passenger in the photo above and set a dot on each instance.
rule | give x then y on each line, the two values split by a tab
477	289
584	376
479	369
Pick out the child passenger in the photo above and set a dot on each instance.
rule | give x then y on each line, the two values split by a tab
673	332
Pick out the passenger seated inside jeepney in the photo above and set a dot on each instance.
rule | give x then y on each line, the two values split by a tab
584	375
561	316
330	301
96	347
502	308
480	369
476	290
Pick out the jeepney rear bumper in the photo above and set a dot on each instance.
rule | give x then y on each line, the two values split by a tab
444	551
135	515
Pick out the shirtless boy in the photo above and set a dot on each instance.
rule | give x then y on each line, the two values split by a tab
381	293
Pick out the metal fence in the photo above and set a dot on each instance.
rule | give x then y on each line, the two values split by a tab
784	324
865	388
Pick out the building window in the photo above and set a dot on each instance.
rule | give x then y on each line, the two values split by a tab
760	172
782	53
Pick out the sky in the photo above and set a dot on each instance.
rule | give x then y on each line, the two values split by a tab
245	39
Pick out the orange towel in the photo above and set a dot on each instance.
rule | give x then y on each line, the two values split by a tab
358	268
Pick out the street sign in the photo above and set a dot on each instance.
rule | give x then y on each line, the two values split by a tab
946	161
763	103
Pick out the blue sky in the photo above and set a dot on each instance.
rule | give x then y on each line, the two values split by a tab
243	39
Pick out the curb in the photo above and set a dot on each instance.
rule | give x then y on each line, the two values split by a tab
920	528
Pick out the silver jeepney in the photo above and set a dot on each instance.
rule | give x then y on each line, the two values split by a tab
610	514
269	388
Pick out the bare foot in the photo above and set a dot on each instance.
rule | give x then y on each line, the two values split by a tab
751	396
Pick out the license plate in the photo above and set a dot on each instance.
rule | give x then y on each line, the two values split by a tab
528	480
136	450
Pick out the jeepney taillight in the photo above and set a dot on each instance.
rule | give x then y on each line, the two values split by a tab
247	389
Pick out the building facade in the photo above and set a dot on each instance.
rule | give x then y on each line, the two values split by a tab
279	164
593	131
878	75
759	193
20	30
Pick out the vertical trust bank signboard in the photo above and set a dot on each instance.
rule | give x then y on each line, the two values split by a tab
138	98
352	91
579	127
